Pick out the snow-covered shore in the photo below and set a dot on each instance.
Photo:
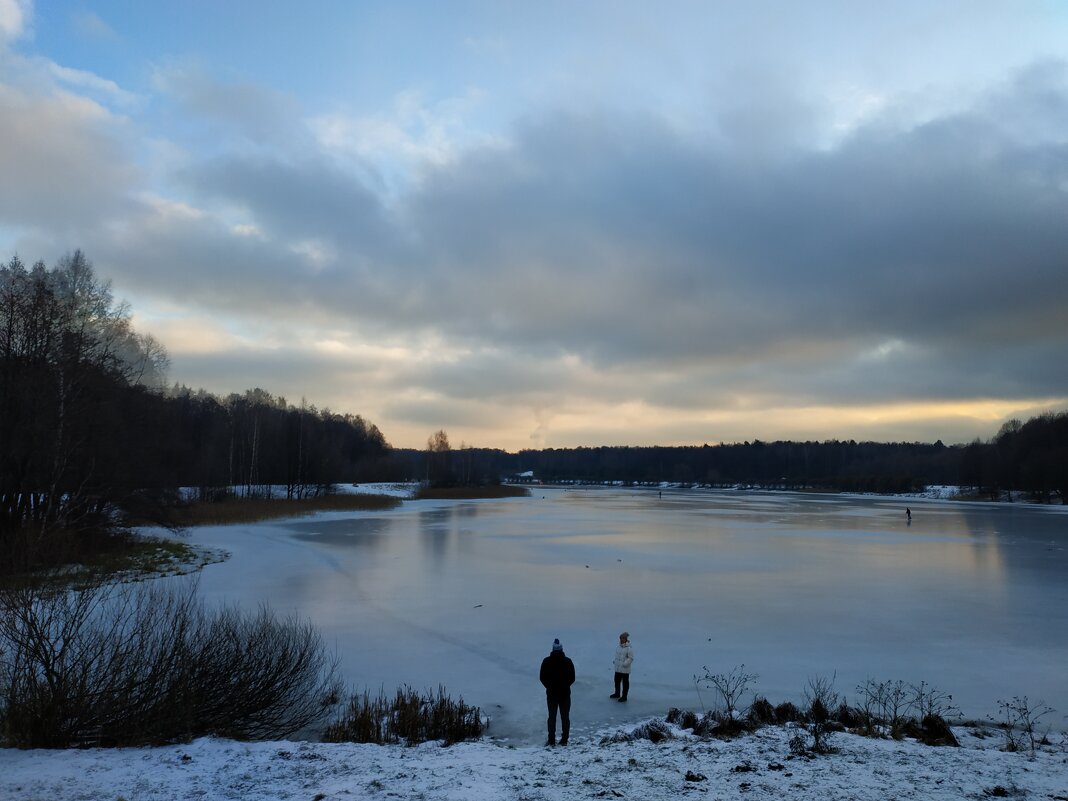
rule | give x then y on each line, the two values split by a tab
758	766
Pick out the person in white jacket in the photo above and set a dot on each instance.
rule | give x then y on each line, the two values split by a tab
622	662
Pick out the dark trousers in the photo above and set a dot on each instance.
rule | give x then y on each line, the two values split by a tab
561	702
622	680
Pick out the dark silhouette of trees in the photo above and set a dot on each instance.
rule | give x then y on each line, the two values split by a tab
1029	458
1033	457
259	445
89	437
65	348
439	472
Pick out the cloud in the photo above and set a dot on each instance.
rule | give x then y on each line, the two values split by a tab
62	161
391	148
246	114
611	236
15	17
614	238
595	269
88	82
310	198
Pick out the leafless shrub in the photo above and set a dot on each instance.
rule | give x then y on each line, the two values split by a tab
820	699
113	664
928	701
870	702
885	703
1020	721
900	710
731	686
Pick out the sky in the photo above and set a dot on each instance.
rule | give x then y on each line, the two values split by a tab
556	224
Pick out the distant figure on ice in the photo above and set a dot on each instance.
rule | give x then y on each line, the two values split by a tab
908	514
557	676
622	662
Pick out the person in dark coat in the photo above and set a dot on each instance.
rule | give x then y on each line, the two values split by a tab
557	676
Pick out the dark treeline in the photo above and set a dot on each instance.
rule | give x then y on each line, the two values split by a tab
88	435
1027	458
844	466
256	441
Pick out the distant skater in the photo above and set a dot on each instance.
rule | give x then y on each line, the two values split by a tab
557	676
621	663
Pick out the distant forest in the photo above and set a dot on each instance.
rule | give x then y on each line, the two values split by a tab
91	438
1024	459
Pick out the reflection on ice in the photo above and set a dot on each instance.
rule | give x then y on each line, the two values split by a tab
362	532
969	597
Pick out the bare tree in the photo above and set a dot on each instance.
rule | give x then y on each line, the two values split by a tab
1020	721
437	458
64	344
731	686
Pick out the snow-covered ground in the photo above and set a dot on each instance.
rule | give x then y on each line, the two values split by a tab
753	767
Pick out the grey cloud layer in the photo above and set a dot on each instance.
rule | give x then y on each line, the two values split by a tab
61	166
686	270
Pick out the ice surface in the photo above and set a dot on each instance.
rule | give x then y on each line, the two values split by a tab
971	598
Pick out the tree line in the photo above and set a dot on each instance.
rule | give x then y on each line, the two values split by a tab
89	435
1024	458
1029	459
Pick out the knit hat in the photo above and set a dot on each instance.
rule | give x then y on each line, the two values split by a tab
557	646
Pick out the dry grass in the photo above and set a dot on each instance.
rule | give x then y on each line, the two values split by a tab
409	716
253	511
96	557
471	493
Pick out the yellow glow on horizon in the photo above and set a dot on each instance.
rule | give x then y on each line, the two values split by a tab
641	424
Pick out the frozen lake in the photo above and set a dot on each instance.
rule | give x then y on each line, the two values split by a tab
969	597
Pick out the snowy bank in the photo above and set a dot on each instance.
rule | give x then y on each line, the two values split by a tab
758	766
